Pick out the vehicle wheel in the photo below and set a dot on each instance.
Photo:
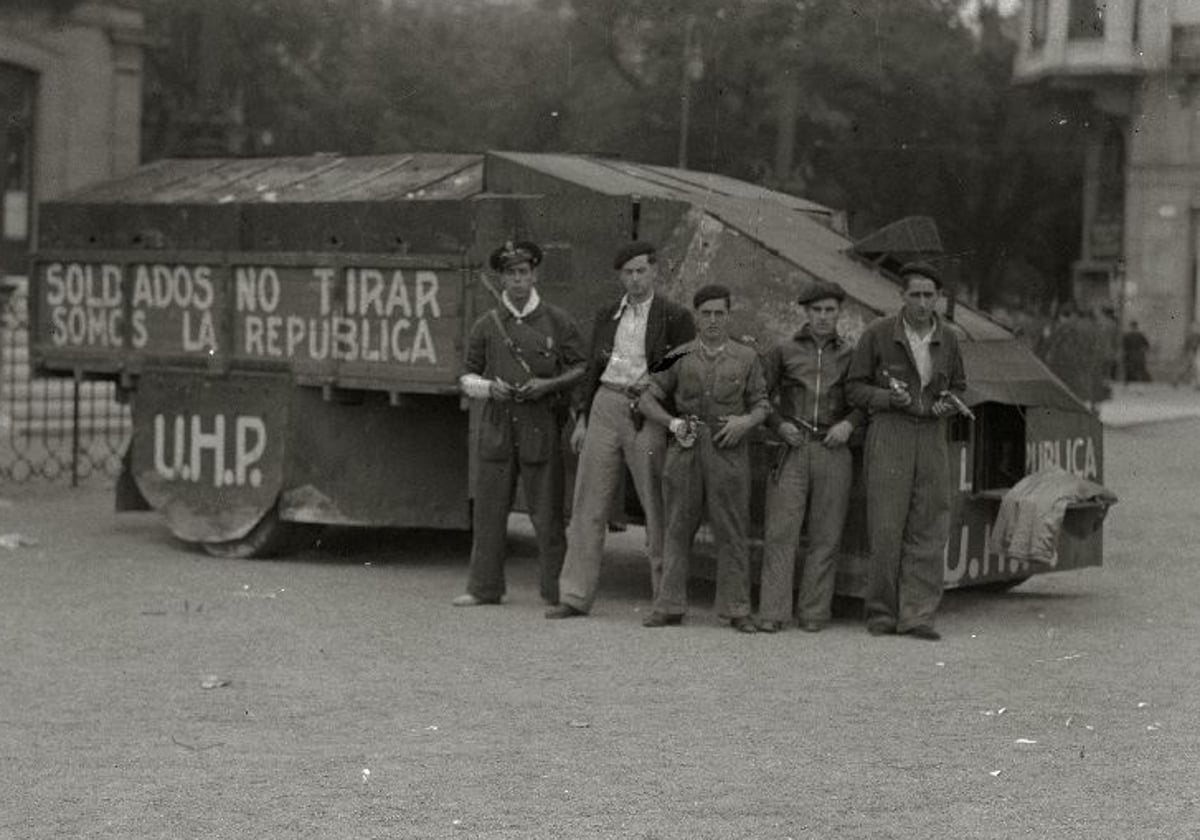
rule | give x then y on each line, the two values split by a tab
271	537
999	586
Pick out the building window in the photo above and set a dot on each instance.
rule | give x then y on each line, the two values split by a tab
1039	11
1135	34
1087	19
16	165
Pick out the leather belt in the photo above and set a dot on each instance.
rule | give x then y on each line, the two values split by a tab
630	391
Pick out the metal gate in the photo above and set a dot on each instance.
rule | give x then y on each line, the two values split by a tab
53	429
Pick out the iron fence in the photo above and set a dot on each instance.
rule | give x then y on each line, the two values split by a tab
51	428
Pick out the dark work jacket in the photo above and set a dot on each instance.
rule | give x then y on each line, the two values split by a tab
807	379
550	343
668	325
883	349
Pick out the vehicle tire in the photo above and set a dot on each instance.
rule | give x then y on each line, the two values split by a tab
1000	586
270	537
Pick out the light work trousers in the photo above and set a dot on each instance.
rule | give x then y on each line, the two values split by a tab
815	478
612	442
706	481
908	514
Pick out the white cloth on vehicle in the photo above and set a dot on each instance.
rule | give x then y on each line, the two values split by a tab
1032	511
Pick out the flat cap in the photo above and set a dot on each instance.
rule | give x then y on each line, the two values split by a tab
921	269
820	291
514	253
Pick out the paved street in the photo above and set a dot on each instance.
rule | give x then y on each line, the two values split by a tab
359	704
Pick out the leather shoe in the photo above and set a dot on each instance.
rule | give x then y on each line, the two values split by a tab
925	631
770	626
879	629
563	611
657	619
811	626
469	600
743	624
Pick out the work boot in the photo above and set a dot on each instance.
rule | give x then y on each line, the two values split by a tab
743	624
469	600
564	611
658	619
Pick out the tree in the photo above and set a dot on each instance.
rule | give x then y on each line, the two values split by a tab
885	108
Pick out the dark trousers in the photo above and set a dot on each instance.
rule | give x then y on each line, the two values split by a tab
495	487
698	482
818	478
908	514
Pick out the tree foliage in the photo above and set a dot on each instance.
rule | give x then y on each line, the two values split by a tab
899	107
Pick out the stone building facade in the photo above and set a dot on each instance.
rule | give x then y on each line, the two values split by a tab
1138	61
70	106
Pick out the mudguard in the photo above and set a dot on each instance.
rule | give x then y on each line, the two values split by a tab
209	452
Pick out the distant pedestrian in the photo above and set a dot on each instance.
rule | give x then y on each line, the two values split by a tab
906	371
806	377
1134	349
630	339
1110	342
523	357
718	392
1188	371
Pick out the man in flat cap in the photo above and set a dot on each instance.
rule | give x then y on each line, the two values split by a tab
523	357
630	339
718	393
806	377
907	372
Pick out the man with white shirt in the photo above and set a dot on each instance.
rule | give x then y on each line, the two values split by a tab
630	340
905	371
523	358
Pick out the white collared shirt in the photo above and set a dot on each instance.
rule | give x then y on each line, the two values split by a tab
921	350
627	365
530	304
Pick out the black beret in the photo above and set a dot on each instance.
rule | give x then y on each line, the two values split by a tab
635	249
922	269
513	253
820	291
711	292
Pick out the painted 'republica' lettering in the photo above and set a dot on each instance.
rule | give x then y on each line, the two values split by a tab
362	314
1075	455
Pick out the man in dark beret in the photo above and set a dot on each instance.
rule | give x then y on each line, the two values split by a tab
718	394
806	377
905	372
630	339
523	358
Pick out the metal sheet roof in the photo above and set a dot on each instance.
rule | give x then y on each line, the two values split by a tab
1008	372
619	177
313	178
822	253
792	227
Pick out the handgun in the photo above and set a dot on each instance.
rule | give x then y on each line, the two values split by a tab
959	406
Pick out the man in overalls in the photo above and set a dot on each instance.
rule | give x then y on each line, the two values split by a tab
719	395
806	376
907	371
522	357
